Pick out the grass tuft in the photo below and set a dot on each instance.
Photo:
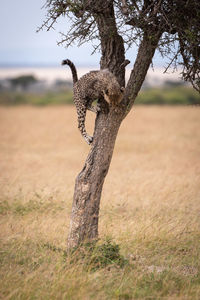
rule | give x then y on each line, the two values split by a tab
98	255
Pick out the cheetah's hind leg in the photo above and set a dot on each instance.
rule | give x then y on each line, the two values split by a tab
81	111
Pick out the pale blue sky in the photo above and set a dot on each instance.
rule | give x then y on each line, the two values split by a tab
20	44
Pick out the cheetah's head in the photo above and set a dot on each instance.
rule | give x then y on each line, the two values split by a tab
114	95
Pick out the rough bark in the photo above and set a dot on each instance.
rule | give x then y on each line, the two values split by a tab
89	183
112	46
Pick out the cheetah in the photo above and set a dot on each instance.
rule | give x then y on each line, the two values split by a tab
92	86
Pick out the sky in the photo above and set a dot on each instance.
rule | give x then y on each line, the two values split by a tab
21	45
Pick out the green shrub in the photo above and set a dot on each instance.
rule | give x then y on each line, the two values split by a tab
95	255
178	95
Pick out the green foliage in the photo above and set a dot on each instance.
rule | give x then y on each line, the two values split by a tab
96	255
23	81
174	95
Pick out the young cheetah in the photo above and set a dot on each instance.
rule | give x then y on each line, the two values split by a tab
92	86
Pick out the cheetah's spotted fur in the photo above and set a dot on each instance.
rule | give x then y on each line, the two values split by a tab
92	86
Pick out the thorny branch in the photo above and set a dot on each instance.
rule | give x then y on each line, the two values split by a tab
178	20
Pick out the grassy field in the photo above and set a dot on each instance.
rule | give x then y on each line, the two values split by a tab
150	205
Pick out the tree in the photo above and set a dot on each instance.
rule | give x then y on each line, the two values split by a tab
23	81
170	26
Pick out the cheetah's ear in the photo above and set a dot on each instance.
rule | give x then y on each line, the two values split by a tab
122	89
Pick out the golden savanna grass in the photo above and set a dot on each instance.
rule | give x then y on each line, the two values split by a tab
150	205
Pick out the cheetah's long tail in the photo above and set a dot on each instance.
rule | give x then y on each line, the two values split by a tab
73	69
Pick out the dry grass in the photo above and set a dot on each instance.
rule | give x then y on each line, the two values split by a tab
150	205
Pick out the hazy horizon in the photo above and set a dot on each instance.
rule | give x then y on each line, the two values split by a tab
155	77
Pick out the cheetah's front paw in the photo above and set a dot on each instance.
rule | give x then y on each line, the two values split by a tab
98	107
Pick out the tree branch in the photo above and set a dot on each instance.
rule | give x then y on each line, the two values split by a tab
144	58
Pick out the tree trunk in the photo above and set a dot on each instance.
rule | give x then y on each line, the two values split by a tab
89	183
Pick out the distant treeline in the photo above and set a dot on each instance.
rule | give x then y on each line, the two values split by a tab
174	95
27	89
178	95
